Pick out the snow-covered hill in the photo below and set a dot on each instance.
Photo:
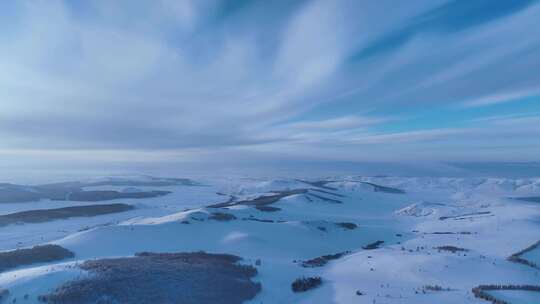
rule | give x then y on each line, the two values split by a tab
369	239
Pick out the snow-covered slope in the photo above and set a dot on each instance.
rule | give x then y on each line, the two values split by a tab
456	233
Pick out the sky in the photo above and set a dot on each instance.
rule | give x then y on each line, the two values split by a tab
213	84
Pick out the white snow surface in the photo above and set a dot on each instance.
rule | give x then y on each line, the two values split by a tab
475	214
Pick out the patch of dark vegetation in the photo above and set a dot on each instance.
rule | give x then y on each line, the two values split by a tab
516	257
257	220
452	249
534	199
482	291
86	228
379	188
319	184
464	216
448	232
326	199
373	245
323	260
267	208
196	277
45	215
261	200
222	217
199	216
328	192
434	288
37	254
348	226
304	284
97	196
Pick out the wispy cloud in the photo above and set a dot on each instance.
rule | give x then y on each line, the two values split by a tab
339	123
501	98
200	77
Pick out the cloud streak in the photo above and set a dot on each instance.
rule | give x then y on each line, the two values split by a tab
312	79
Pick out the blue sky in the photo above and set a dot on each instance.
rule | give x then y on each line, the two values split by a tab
246	82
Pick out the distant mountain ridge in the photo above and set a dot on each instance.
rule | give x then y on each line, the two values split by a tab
75	190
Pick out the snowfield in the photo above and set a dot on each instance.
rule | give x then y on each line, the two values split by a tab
380	239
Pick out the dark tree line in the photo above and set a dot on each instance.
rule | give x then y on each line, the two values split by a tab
516	257
481	291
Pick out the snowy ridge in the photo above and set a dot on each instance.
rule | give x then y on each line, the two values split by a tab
456	233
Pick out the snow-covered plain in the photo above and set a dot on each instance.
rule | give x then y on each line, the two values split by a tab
474	214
